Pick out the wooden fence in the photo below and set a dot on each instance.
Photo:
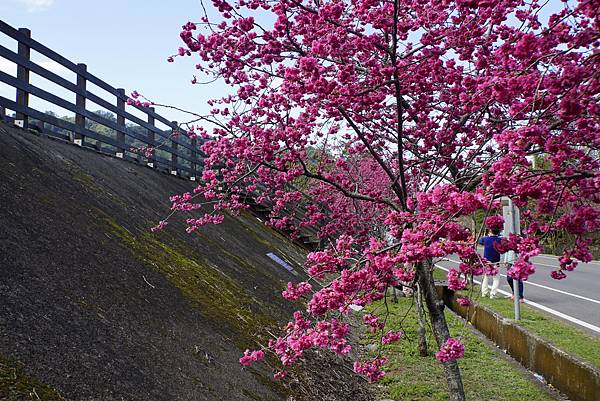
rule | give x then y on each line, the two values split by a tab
177	154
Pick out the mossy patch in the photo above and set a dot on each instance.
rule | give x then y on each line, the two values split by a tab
46	200
85	180
276	386
218	297
16	385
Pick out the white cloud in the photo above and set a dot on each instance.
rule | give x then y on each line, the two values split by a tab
36	5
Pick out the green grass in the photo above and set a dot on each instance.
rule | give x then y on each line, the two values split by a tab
487	375
563	335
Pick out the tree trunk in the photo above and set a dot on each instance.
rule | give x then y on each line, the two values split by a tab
440	329
420	315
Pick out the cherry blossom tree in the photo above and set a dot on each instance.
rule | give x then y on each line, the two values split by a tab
375	119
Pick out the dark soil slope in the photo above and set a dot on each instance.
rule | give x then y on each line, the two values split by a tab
95	307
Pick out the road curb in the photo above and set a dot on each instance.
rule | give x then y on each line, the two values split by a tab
577	379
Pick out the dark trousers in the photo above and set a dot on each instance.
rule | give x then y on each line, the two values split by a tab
510	282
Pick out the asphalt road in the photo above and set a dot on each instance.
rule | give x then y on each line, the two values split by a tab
575	298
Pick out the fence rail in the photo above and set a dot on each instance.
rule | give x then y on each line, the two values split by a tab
183	157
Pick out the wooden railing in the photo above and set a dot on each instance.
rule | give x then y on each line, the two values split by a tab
183	156
176	154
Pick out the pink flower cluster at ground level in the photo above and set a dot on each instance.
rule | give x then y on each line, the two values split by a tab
451	350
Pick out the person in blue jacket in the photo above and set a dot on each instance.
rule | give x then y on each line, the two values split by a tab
492	255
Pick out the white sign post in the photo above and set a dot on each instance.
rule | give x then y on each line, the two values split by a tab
512	225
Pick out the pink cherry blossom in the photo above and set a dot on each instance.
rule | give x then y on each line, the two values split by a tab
371	369
280	375
454	282
463	301
494	222
251	356
451	350
294	292
391	337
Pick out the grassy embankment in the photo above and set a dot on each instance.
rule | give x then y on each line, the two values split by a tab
487	373
563	335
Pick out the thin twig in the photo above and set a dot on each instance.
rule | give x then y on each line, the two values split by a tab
148	282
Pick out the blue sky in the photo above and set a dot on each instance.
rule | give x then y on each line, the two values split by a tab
123	42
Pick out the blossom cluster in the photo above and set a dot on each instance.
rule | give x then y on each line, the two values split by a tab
464	301
160	226
182	202
494	222
391	337
371	369
251	356
455	283
491	269
374	322
147	151
294	292
136	99
302	334
451	350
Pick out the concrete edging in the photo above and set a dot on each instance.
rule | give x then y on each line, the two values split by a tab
577	379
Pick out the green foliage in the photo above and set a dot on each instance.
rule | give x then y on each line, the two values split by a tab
557	242
97	127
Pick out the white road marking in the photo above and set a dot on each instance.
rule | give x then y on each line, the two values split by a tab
579	263
542	255
555	258
547	265
546	309
546	287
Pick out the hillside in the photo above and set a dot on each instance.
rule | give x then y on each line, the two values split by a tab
96	307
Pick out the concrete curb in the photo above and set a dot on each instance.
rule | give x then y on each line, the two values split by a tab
577	379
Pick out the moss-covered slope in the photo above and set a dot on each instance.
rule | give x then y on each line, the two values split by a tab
98	308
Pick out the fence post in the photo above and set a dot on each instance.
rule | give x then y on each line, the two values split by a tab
79	138
151	137
174	130
121	121
2	113
23	75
